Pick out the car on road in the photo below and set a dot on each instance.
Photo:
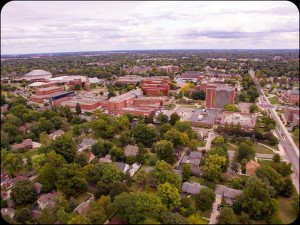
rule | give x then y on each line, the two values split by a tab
213	209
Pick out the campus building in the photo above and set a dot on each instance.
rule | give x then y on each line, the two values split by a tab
291	115
168	69
37	75
218	96
246	120
155	87
291	96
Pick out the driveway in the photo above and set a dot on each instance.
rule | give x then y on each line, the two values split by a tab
213	215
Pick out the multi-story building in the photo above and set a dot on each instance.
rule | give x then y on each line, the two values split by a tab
218	96
291	114
156	87
168	69
291	96
246	120
149	101
129	79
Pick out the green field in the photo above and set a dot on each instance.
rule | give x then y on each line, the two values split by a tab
201	143
135	187
170	106
273	100
285	212
262	149
82	197
188	106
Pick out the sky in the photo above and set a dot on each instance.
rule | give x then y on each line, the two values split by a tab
73	26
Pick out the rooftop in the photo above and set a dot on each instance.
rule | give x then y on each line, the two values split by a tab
127	95
205	115
191	188
37	73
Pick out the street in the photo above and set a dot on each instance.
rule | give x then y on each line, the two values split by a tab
290	148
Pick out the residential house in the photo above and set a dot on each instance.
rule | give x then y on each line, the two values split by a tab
202	133
26	144
38	187
251	167
90	156
229	194
122	166
106	159
134	168
81	209
46	201
56	134
192	188
131	150
85	144
8	212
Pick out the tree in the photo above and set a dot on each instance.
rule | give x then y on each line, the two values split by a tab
174	118
176	137
81	159
245	152
142	177
107	173
196	219
135	208
231	108
204	199
161	174
198	95
193	145
48	176
102	148
99	210
162	118
212	167
78	219
253	108
185	127
23	192
273	177
47	217
12	163
164	128
173	218
256	200
188	206
169	195
23	216
227	216
111	93
165	150
145	135
276	158
65	146
44	138
117	188
295	203
70	180
186	172
117	153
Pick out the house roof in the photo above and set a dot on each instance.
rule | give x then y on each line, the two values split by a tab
82	208
38	187
36	214
48	199
131	150
56	133
191	188
252	165
37	73
227	192
8	211
185	159
195	155
121	165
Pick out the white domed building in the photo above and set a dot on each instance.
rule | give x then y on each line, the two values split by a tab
37	75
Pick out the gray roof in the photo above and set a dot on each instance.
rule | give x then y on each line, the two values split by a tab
294	92
227	192
191	188
131	150
86	142
204	116
185	159
37	73
121	165
56	133
195	155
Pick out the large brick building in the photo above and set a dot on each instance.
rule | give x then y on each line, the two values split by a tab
217	96
129	79
168	69
291	96
291	114
46	94
156	87
246	120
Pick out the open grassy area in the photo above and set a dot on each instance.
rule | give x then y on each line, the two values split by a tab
203	182
188	106
135	187
82	197
273	100
170	106
285	212
201	143
231	147
262	149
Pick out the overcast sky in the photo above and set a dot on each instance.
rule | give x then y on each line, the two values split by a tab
41	27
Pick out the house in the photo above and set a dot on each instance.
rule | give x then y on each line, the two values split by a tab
191	188
131	150
229	194
56	134
8	212
193	159
251	167
195	155
17	179
38	187
46	201
106	159
90	156
134	168
122	166
202	133
81	209
26	144
85	144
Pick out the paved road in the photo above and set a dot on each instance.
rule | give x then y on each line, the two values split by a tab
290	148
213	215
210	138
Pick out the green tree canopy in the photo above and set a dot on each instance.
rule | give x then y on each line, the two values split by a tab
165	151
169	195
204	199
65	146
245	152
23	192
144	134
227	216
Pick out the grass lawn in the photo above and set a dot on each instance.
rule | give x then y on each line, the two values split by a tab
135	187
201	143
285	212
82	197
188	106
296	140
203	182
273	100
230	147
262	149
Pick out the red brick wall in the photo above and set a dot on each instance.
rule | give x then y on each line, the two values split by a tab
41	91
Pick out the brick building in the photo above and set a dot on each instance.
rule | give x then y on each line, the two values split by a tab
129	79
291	114
48	90
217	96
168	69
149	101
139	111
291	96
156	87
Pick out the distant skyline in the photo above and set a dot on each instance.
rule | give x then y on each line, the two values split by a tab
66	26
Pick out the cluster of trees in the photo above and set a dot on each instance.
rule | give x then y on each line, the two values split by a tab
249	92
